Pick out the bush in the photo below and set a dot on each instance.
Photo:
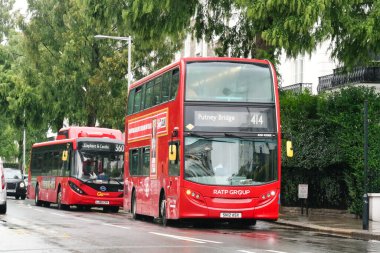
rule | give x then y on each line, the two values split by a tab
327	133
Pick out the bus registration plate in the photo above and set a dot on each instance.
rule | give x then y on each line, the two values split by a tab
102	202
230	215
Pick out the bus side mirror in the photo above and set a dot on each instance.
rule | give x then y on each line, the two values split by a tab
175	132
64	155
289	149
172	152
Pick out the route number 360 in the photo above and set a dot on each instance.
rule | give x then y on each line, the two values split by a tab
119	148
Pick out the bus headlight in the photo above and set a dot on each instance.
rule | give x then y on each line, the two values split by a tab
195	196
76	188
268	195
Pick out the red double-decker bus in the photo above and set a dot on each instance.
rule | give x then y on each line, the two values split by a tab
83	166
203	141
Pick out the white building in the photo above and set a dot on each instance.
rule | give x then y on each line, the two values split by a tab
306	69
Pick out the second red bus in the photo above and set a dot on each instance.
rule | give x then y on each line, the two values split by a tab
83	167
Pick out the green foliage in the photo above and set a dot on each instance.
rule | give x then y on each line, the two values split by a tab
6	22
327	131
262	28
8	147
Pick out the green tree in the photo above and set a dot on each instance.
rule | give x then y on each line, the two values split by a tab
6	22
262	28
317	161
345	109
78	77
327	130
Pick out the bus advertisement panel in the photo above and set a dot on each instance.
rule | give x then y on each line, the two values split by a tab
203	141
83	167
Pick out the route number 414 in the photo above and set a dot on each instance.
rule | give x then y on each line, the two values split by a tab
257	119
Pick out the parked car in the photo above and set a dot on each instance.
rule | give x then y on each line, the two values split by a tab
15	183
3	191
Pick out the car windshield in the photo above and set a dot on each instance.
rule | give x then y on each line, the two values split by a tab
10	173
108	166
230	161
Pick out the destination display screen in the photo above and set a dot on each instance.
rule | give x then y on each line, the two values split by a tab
101	146
220	119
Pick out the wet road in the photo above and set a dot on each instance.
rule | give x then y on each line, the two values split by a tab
28	228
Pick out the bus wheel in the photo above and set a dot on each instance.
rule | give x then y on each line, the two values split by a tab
84	208
164	220
134	206
3	208
59	201
114	209
111	209
37	201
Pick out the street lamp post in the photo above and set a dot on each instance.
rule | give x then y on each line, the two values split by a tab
129	39
23	145
365	196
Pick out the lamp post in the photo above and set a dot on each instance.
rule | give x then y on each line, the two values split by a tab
365	196
129	39
23	146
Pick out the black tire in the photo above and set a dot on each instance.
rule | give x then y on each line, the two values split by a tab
23	197
3	208
37	200
244	223
59	201
17	197
114	209
134	206
83	208
162	211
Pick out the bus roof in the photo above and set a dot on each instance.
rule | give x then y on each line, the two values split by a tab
89	132
195	59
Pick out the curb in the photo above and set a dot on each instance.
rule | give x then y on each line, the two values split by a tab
353	233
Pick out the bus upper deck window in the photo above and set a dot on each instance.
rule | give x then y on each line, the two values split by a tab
131	97
149	95
165	87
174	84
157	91
137	100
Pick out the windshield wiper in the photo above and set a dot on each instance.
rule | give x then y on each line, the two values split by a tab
236	136
197	135
212	139
88	180
231	135
114	179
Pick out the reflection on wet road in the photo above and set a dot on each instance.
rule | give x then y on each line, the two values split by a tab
28	228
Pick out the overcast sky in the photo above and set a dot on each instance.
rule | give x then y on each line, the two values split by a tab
21	5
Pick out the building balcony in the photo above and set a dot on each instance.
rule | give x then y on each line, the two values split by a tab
298	87
366	76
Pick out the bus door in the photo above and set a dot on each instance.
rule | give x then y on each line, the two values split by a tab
139	169
136	173
48	182
173	180
144	182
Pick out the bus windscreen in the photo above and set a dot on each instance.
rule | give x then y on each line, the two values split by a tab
100	161
230	161
229	82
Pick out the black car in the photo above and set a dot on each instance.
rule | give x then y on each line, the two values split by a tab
15	183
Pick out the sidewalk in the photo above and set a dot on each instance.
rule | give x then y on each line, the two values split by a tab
329	221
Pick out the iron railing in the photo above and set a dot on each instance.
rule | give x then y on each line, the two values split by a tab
340	78
298	87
